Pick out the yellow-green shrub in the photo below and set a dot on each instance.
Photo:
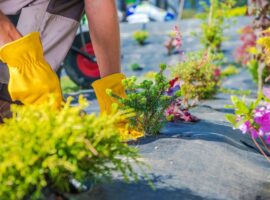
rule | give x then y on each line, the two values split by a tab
140	36
199	75
43	147
236	12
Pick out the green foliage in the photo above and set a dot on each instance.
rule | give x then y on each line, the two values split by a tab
253	66
136	67
229	71
213	23
236	12
140	37
241	108
68	85
198	75
43	147
259	66
148	101
188	13
234	92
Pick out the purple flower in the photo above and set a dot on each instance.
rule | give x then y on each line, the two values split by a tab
174	86
173	90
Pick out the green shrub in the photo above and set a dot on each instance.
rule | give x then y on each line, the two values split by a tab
235	91
236	12
136	67
43	147
148	100
140	37
199	76
259	65
229	71
68	86
213	23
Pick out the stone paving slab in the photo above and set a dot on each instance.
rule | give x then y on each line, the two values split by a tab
205	160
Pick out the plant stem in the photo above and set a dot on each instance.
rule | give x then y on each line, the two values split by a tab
260	149
260	77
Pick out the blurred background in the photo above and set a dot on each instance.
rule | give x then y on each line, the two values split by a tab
157	18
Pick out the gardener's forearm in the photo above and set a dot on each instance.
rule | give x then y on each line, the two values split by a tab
8	31
104	30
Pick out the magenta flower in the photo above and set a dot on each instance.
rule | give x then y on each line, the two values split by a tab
259	123
245	127
263	121
253	133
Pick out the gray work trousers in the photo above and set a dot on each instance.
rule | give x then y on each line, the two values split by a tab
56	20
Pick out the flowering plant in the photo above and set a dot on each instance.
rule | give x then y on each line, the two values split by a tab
177	112
248	38
175	41
259	65
252	118
199	76
254	53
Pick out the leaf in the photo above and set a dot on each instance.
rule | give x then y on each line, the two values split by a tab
234	100
229	106
231	118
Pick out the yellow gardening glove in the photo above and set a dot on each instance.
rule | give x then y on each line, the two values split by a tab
114	82
32	81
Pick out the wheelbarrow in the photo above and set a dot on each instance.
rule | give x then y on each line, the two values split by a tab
80	63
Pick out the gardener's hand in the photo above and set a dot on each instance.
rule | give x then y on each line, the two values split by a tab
8	32
32	81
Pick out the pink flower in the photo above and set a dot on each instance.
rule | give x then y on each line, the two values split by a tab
178	38
217	73
175	112
248	37
245	127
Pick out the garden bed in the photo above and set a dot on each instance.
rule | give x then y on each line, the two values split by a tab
205	160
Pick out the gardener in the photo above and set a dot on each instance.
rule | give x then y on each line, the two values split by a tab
48	27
